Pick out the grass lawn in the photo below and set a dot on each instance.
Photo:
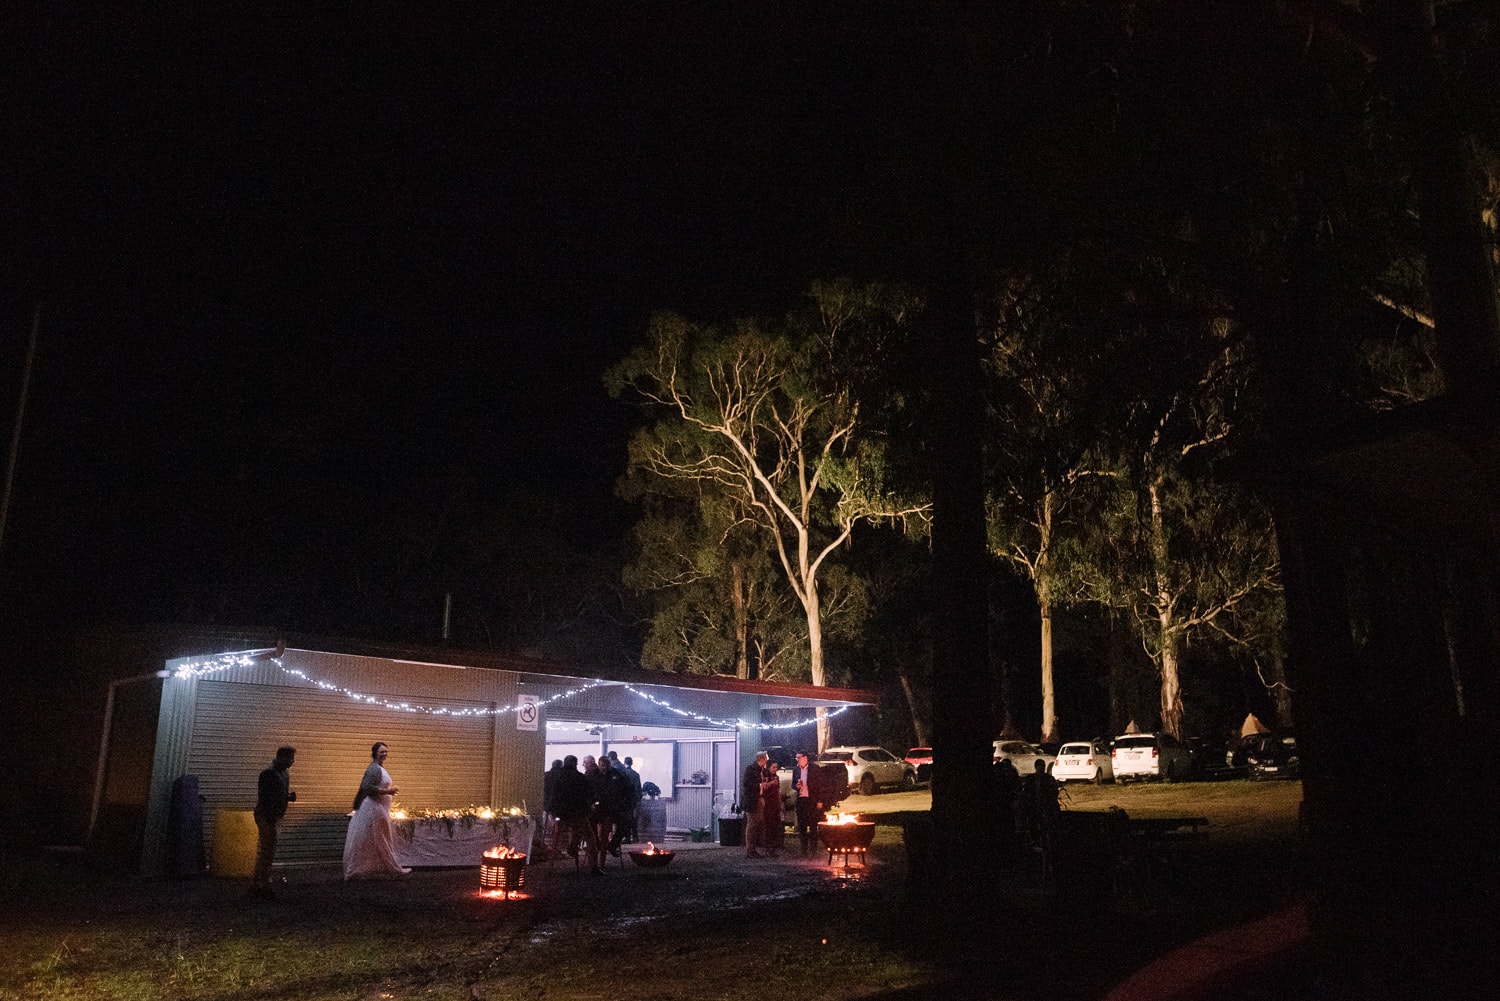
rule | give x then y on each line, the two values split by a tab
711	925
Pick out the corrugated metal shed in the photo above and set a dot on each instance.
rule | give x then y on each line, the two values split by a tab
451	726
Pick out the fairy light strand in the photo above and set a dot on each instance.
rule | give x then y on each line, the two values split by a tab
224	662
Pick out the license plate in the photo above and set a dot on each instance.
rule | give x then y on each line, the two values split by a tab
1268	768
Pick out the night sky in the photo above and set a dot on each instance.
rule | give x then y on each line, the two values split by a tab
294	270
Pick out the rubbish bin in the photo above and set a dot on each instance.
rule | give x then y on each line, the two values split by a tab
731	831
234	843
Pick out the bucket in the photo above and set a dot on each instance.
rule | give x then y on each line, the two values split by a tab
233	851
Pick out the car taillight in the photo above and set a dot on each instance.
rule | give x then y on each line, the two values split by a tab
1153	752
1113	752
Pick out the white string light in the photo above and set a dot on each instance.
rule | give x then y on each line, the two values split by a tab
375	700
737	723
224	662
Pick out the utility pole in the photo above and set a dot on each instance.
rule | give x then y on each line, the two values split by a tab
15	437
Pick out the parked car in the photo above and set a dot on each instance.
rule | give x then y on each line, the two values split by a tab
920	758
872	768
1209	757
1271	756
1138	756
1023	755
1083	761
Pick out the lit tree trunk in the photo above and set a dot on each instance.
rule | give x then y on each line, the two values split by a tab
1169	638
1044	606
815	648
741	619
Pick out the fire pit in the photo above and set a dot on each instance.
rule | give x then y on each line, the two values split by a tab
653	857
845	835
503	871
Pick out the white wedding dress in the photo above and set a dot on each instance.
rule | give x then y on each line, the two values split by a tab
369	849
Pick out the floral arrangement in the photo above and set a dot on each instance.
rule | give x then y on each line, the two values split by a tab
465	817
698	778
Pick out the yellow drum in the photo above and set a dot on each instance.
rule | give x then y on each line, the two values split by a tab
233	853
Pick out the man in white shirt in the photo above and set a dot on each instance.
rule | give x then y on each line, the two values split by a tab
809	805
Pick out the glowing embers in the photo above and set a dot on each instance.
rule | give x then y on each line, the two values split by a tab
502	873
846	837
653	857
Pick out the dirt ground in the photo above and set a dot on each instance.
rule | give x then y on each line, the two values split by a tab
712	924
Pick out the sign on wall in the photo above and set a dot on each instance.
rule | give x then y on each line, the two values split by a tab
527	712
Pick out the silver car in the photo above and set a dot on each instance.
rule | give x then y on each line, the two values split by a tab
872	767
1023	755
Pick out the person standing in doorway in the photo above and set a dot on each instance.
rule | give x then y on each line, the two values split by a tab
273	793
635	798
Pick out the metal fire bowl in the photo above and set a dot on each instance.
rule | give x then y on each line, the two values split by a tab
655	860
846	837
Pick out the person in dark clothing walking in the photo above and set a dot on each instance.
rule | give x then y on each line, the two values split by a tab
549	794
273	793
613	798
571	797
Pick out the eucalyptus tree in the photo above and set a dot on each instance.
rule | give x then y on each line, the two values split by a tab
1046	381
760	418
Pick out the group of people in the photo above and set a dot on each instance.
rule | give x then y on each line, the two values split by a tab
1028	806
369	848
760	798
593	810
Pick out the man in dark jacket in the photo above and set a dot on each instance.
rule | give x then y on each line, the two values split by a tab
750	789
613	796
273	793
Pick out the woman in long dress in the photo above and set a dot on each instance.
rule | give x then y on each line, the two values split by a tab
369	849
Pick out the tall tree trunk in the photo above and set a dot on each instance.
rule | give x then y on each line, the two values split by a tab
1171	684
963	817
1044	606
1170	638
815	648
1280	691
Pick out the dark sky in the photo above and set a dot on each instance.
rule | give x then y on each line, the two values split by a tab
295	267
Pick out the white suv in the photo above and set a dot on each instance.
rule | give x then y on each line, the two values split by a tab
871	767
1149	756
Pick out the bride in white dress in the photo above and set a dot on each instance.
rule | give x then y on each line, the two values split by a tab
368	848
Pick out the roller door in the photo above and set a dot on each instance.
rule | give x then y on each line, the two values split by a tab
436	762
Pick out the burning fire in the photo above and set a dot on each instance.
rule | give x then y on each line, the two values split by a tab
503	851
842	818
651	849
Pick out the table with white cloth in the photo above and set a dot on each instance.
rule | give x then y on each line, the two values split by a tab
438	841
